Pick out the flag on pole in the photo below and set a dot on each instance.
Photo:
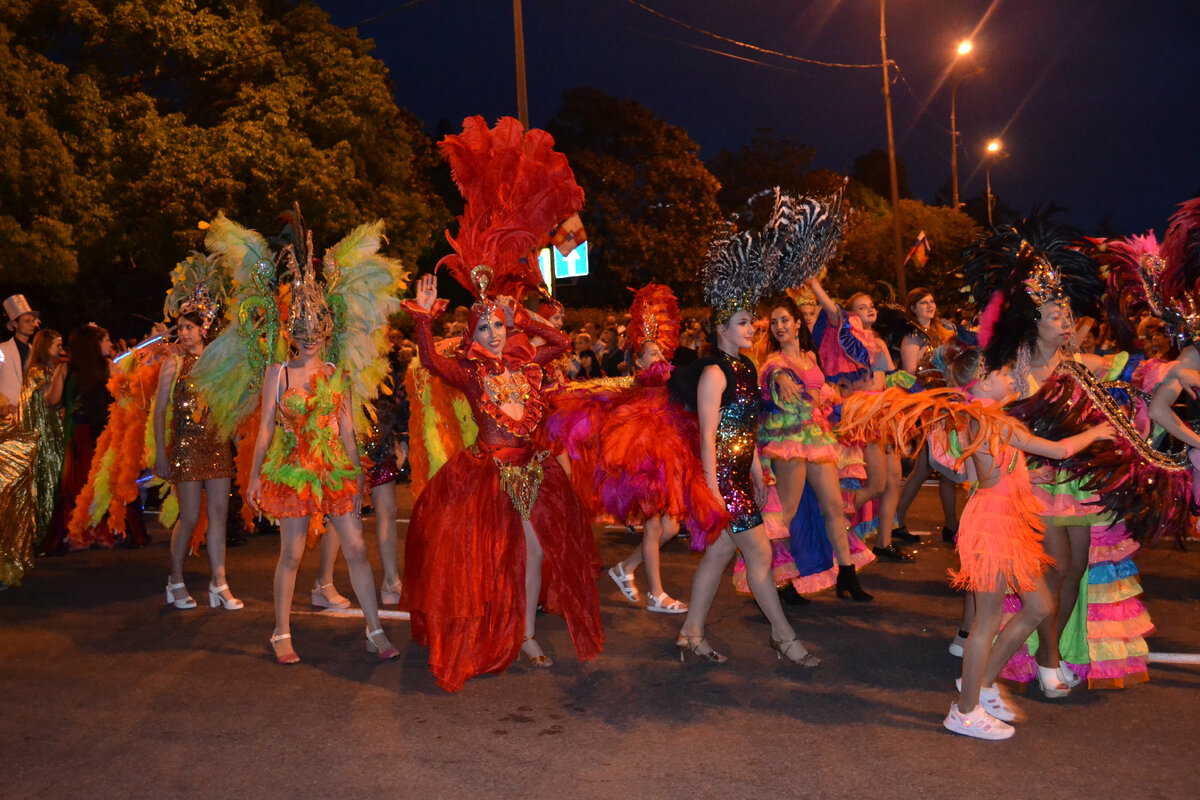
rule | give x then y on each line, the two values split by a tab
919	254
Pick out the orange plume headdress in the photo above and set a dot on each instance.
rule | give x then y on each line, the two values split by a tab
654	317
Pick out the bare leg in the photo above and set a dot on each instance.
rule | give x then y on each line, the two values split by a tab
189	494
948	492
1057	545
216	494
383	500
533	588
1035	605
350	532
1079	538
705	581
756	550
291	550
875	463
921	470
989	609
824	481
329	553
889	500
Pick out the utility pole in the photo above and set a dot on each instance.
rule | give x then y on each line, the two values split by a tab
897	246
519	36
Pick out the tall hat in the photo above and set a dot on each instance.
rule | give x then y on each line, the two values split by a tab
16	307
747	261
654	317
198	286
518	190
1013	271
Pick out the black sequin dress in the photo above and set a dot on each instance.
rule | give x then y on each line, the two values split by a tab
737	437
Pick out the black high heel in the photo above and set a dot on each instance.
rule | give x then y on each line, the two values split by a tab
847	581
791	597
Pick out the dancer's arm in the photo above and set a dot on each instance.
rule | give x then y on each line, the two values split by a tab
708	414
166	377
346	433
1161	401
1063	448
832	309
423	309
54	389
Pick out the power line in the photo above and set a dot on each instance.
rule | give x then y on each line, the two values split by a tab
747	45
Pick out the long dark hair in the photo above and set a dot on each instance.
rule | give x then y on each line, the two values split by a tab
87	363
804	336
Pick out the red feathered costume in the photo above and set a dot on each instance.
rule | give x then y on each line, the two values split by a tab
464	556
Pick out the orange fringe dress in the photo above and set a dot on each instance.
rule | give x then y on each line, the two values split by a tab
1000	533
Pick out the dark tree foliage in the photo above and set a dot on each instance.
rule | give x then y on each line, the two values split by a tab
650	204
873	171
122	124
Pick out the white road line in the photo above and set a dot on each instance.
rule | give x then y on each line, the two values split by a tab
354	613
1174	658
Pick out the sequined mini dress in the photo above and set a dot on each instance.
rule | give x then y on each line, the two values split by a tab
737	436
195	451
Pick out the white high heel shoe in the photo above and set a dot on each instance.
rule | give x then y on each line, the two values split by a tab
216	598
184	602
1052	685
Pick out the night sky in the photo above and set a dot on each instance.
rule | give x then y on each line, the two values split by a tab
1096	101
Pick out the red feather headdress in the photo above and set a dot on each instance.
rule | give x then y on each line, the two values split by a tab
654	317
518	189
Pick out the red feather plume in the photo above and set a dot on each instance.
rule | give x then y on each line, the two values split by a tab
518	189
654	317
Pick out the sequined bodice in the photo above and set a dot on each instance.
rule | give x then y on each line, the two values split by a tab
185	403
737	428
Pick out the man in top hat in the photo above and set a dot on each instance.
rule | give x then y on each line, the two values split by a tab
23	321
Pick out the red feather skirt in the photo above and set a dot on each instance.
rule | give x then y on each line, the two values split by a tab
464	567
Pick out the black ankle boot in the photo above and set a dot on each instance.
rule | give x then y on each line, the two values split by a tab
791	597
847	581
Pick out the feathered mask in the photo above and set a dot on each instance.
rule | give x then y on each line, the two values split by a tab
746	262
654	317
1013	271
518	190
198	286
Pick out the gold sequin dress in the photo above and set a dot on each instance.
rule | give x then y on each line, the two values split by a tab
194	452
38	415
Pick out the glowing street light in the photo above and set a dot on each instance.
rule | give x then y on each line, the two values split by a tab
994	150
964	47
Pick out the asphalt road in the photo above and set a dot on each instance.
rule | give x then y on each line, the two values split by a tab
110	694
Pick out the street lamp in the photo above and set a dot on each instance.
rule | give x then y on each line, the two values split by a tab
993	151
964	47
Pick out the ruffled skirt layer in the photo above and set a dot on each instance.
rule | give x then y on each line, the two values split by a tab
464	568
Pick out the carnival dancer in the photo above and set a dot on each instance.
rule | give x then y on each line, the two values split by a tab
789	248
304	459
999	542
41	411
926	331
635	451
194	458
498	529
881	460
797	442
1031	280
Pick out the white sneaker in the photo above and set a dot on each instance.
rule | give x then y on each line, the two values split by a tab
956	647
992	701
978	724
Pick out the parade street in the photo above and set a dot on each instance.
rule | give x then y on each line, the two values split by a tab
112	694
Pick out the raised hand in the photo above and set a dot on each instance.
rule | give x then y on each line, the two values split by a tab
426	292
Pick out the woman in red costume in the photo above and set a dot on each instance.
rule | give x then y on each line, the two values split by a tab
498	529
